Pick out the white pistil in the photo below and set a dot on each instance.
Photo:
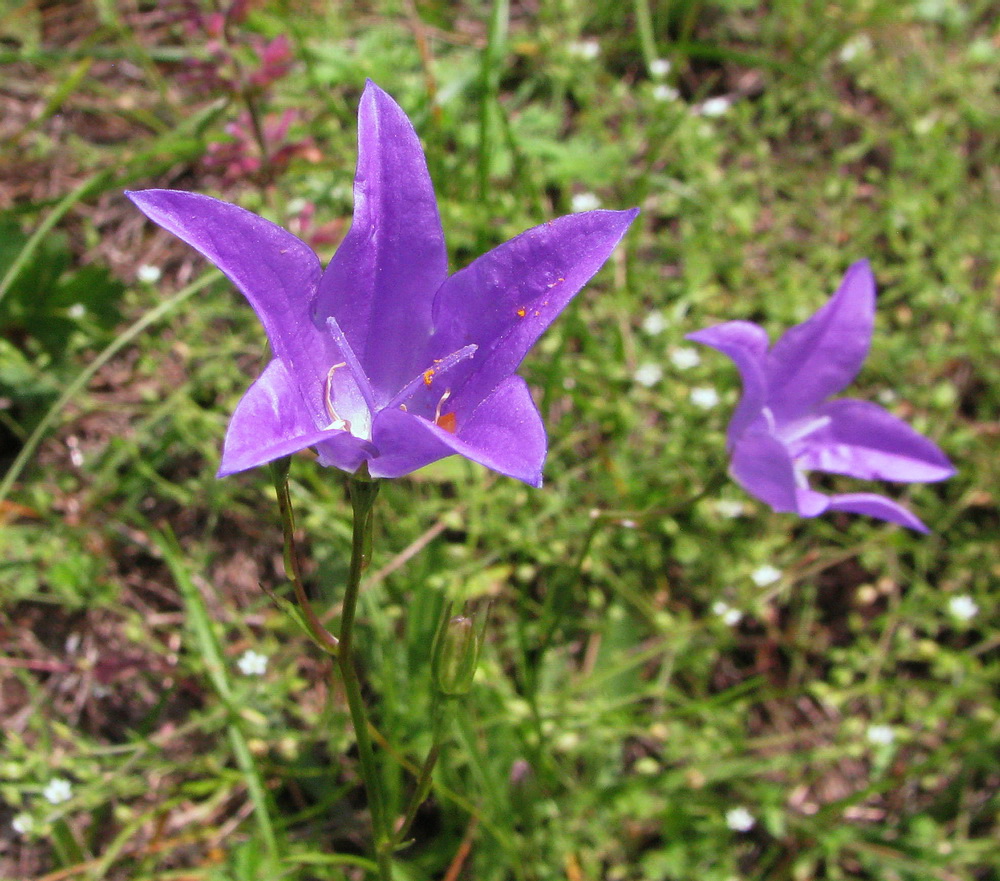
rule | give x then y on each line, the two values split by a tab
336	422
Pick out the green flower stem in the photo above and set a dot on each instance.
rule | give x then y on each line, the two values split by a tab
644	22
363	492
425	778
321	636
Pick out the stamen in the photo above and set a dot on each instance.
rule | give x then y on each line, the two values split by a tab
447	421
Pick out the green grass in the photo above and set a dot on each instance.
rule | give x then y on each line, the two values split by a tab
616	718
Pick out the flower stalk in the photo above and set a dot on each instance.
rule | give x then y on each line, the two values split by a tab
320	635
363	492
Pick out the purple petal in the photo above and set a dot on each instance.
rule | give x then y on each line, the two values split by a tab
746	344
270	421
504	300
273	269
762	466
819	357
863	440
874	505
340	449
381	282
504	433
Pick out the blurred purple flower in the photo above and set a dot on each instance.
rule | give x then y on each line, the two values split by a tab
383	358
784	425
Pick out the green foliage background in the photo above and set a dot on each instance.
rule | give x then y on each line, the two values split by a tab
616	718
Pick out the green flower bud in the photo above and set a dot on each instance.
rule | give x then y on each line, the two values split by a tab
456	656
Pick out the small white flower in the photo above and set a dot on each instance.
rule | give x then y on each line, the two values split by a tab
880	735
716	106
963	607
730	508
57	791
148	274
252	663
76	311
859	45
23	824
586	50
659	68
665	93
648	374
684	359
704	397
584	202
764	575
887	396
740	819
654	323
730	616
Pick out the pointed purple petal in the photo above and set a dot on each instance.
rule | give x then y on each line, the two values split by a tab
762	466
504	433
874	505
270	421
863	440
273	269
340	449
746	344
504	300
819	357
381	282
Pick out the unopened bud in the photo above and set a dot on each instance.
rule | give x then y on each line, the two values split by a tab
456	656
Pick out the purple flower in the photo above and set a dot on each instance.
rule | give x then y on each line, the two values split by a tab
383	357
784	425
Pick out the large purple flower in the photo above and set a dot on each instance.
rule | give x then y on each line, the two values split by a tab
383	358
784	425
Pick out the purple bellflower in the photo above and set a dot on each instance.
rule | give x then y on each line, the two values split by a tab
784	425
383	358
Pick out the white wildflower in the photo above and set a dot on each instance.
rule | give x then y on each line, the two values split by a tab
740	819
584	202
684	359
859	45
648	374
764	575
659	68
880	735
716	106
665	93
730	508
76	311
963	608
23	824
252	663
57	791
148	274
654	323
730	616
586	50
704	397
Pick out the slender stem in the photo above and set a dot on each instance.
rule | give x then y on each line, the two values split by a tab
425	778
496	40
644	21
363	493
322	637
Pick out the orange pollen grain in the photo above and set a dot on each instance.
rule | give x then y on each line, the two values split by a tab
447	422
429	375
521	312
